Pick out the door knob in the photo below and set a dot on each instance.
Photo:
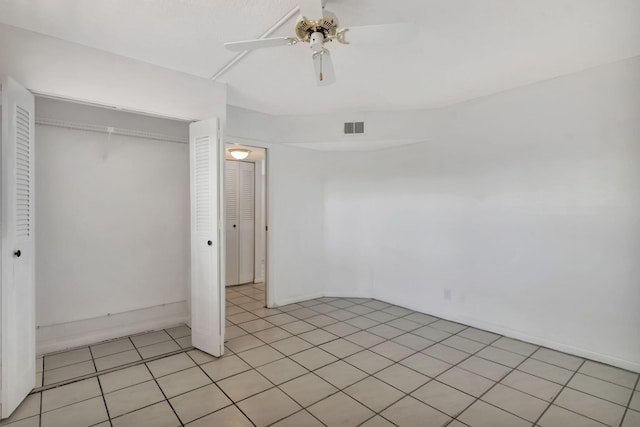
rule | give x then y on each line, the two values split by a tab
209	242
234	226
17	253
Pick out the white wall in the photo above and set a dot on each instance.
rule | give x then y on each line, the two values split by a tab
295	208
296	253
113	226
524	205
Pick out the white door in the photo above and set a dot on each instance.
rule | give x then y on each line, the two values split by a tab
240	221
246	222
207	291
231	210
18	325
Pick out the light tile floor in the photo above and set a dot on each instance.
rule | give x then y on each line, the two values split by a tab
329	361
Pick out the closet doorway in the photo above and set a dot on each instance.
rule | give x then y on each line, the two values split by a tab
245	215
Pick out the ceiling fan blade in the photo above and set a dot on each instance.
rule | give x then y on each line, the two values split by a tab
311	9
323	65
379	34
260	43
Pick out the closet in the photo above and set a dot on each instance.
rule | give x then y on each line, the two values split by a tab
240	221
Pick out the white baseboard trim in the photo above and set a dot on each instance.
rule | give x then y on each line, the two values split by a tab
293	300
348	294
522	336
83	332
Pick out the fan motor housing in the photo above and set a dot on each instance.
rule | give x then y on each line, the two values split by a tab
327	26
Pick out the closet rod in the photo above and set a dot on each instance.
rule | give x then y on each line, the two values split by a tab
110	130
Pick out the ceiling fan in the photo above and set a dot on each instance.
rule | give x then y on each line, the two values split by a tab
319	27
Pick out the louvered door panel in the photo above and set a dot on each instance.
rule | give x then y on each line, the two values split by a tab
17	297
246	224
232	228
23	168
207	294
203	184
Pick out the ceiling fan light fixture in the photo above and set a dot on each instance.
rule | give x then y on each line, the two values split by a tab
239	153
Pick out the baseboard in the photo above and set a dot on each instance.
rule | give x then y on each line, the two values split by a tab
83	332
293	300
522	336
348	294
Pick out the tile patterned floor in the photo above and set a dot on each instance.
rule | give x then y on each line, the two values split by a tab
334	362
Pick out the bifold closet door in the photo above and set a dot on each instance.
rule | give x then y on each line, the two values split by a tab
246	222
232	220
240	221
207	292
17	219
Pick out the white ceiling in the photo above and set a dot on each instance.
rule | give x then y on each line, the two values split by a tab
462	49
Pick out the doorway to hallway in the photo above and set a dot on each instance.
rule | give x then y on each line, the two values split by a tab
245	215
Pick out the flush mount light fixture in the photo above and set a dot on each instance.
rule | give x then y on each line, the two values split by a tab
239	153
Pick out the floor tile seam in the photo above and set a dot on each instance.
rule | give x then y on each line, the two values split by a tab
479	398
259	373
175	340
478	341
310	404
259	330
64	366
446	385
475	399
84	399
377	415
171	373
124	388
404	394
449	368
297	412
599	397
104	401
611	382
421	401
40	411
552	401
307	371
626	410
234	403
148	405
109	370
555	364
486	344
163	394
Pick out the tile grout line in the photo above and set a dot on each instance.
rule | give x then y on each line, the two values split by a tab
626	410
403	331
454	334
233	403
104	400
40	412
405	394
108	371
479	398
409	331
158	385
275	385
551	402
285	356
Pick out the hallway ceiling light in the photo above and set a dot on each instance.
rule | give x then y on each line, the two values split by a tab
239	153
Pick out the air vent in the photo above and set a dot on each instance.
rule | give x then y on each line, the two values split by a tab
353	127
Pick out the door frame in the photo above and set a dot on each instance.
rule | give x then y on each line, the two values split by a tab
229	139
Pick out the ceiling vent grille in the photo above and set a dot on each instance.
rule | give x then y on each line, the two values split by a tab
353	127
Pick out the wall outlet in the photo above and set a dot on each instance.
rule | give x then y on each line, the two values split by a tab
447	294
